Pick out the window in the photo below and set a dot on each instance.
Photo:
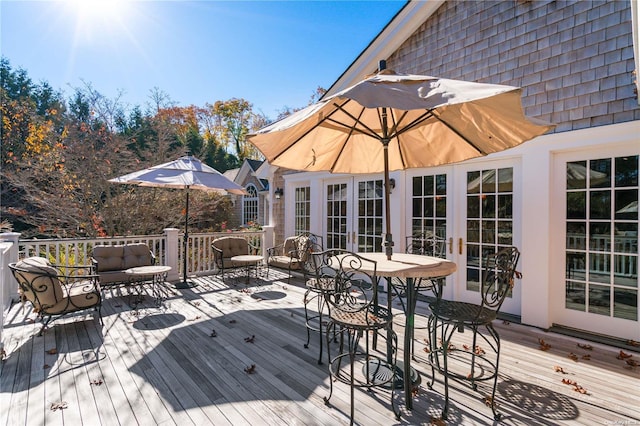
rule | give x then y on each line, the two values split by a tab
250	205
302	210
601	251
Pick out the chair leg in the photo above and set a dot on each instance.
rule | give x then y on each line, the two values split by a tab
306	300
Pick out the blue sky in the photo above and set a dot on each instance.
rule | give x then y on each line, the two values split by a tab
273	54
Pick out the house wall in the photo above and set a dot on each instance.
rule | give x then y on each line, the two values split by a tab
573	59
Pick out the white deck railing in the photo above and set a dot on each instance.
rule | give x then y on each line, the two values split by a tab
167	247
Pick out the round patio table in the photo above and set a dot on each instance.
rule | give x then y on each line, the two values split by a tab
409	267
247	261
157	274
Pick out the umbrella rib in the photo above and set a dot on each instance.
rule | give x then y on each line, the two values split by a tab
327	118
370	132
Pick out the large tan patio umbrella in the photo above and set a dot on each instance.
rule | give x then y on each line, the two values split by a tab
394	121
186	173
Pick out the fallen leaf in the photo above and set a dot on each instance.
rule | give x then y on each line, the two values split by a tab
52	351
569	382
426	350
586	357
415	391
479	351
488	401
232	321
58	405
544	346
251	369
579	389
250	339
197	317
585	346
623	355
633	343
97	382
213	333
572	356
559	369
505	322
632	363
46	366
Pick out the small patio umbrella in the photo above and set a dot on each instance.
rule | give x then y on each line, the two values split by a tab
187	173
394	121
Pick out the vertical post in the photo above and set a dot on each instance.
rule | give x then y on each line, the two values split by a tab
171	252
268	237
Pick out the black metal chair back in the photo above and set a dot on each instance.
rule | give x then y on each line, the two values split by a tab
498	277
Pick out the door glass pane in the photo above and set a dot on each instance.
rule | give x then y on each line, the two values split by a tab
602	236
336	216
429	202
302	209
489	198
370	217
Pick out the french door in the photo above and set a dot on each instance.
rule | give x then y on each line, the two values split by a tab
487	218
599	214
354	212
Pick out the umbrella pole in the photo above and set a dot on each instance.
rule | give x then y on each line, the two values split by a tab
388	238
185	242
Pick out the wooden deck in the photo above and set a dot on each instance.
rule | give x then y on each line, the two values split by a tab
233	355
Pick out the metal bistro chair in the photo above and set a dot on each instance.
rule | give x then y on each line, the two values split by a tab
55	291
354	314
471	362
424	244
319	287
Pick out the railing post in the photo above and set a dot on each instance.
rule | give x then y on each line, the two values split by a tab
10	291
172	236
268	236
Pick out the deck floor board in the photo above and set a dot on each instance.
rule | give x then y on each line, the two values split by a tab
185	364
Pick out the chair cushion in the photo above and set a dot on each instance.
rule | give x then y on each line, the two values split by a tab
81	295
39	284
284	262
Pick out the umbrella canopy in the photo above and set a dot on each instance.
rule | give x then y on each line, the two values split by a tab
184	173
394	121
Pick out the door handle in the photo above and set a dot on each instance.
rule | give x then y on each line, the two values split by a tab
450	245
460	245
353	237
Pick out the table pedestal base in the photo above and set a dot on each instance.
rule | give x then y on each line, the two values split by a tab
380	373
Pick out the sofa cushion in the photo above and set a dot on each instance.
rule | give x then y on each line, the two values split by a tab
231	246
136	255
109	258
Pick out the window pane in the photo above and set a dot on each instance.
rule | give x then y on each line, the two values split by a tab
626	204
600	299
473	182
577	235
505	180
625	272
577	205
575	296
600	173
577	175
600	205
625	304
576	266
488	181
627	171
